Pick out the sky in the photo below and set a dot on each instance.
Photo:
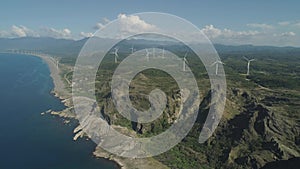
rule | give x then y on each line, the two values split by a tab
256	22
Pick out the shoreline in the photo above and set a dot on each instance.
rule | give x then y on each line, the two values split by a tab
59	91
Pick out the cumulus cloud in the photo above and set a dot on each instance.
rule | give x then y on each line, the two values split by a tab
22	31
212	32
134	24
290	24
232	37
286	34
284	23
86	34
101	25
126	25
297	24
105	20
260	25
4	34
57	33
18	31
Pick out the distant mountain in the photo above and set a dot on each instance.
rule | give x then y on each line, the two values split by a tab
32	43
69	47
231	48
63	47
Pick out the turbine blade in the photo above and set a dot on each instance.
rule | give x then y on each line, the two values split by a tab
214	63
185	55
245	58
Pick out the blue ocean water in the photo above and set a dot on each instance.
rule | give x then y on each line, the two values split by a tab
29	140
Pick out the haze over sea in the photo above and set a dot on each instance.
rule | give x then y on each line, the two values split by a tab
29	140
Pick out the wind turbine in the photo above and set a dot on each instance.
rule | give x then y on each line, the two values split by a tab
147	54
184	62
132	49
217	65
116	54
248	64
57	62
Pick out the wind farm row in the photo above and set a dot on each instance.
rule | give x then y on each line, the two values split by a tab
184	58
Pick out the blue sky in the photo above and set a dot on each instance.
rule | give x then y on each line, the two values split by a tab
278	21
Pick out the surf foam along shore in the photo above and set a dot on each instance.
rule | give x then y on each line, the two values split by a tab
61	92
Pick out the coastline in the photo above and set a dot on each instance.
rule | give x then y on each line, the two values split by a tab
60	91
64	95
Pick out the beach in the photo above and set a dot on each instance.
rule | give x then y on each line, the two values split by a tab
59	86
65	96
35	139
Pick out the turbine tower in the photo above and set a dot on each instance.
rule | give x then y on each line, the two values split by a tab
57	62
132	49
116	54
147	54
184	62
248	64
217	65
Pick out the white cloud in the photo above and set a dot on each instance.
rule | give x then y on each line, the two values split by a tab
99	26
284	23
86	34
125	26
134	24
211	32
105	20
265	37
290	23
297	24
22	31
260	25
57	33
286	34
18	31
4	34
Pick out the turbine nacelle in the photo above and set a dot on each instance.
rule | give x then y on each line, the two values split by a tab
116	54
248	64
184	62
217	65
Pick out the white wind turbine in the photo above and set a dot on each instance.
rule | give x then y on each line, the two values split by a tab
57	62
116	54
132	49
248	64
184	62
147	54
217	65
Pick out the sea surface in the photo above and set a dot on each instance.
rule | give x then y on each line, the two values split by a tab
29	140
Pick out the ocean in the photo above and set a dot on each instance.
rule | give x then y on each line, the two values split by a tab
29	140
